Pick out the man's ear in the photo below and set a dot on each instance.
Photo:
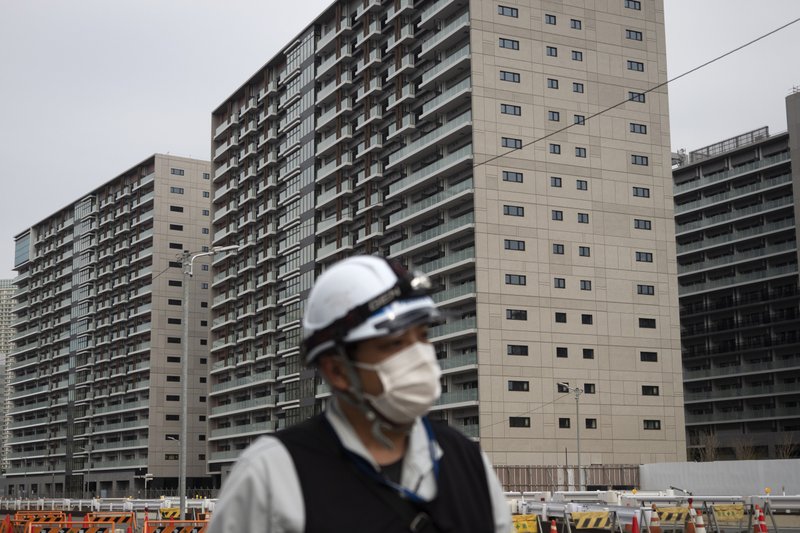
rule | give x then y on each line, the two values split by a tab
331	367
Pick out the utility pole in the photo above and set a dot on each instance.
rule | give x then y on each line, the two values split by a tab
578	391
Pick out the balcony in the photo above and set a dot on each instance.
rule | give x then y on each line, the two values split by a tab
449	66
448	163
324	119
332	194
392	12
406	94
458	362
272	87
371	144
710	179
734	193
344	52
372	114
450	98
395	39
440	9
373	87
328	90
328	250
707	222
441	136
223	126
438	233
370	59
738	257
328	37
331	222
372	30
335	165
737	235
431	203
406	65
461	397
225	168
456	293
454	31
737	279
329	142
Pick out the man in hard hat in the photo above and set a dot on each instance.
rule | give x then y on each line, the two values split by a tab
372	461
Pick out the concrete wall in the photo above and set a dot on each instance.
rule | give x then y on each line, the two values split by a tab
724	478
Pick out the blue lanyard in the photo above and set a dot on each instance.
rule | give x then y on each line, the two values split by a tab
363	465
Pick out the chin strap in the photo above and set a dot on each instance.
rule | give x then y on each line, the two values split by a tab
354	395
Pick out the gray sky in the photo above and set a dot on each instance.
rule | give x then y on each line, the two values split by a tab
88	88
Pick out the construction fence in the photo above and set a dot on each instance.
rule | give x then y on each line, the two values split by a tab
519	478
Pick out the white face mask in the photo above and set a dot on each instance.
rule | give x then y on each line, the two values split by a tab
410	380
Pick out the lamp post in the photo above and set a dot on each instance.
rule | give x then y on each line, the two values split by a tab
188	261
578	391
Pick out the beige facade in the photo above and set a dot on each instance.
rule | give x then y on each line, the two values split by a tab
95	372
441	133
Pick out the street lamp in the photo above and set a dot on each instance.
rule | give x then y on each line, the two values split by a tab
578	391
188	261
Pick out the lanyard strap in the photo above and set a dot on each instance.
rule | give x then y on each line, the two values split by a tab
365	467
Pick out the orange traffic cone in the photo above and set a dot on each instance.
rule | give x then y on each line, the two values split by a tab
553	528
635	525
762	522
700	526
689	528
655	521
756	513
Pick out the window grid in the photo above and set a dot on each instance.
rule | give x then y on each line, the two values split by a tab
508	109
506	75
512	176
511	44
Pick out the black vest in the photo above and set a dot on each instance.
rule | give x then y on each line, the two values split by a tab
340	499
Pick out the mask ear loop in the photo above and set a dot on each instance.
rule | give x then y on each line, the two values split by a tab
354	395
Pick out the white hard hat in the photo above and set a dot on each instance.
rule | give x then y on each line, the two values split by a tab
364	297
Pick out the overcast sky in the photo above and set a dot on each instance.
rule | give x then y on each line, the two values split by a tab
89	88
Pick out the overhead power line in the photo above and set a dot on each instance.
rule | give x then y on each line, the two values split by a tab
651	89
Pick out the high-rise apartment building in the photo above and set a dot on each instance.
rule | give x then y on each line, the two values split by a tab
6	334
95	373
513	151
739	299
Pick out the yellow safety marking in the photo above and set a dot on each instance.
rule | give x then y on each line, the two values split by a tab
170	512
176	526
675	515
71	527
729	511
525	522
592	520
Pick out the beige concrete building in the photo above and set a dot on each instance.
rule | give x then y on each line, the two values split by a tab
518	153
95	372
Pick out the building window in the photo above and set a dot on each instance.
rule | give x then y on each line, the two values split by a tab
173	398
638	128
516	314
508	11
206	176
633	35
174	321
584	251
204	231
552	83
514	210
561	318
577	87
580	151
562	387
176	246
554	116
648	357
641	192
633	4
519	421
575	24
175	264
175	283
555	181
646	290
518	386
562	351
587	319
577	55
176	190
173	301
636	97
558	249
174	379
644	257
588	353
563	423
204	268
509	43
588	388
552	51
649	390
204	285
508	109
557	215
580	120
206	212
516	279
176	227
516	177
176	209
638	66
550	19
517	349
640	223
555	148
582	185
559	283
652	424
205	248
510	142
509	76
648	323
170	456
583	218
176	171
206	194
591	423
510	244
586	284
